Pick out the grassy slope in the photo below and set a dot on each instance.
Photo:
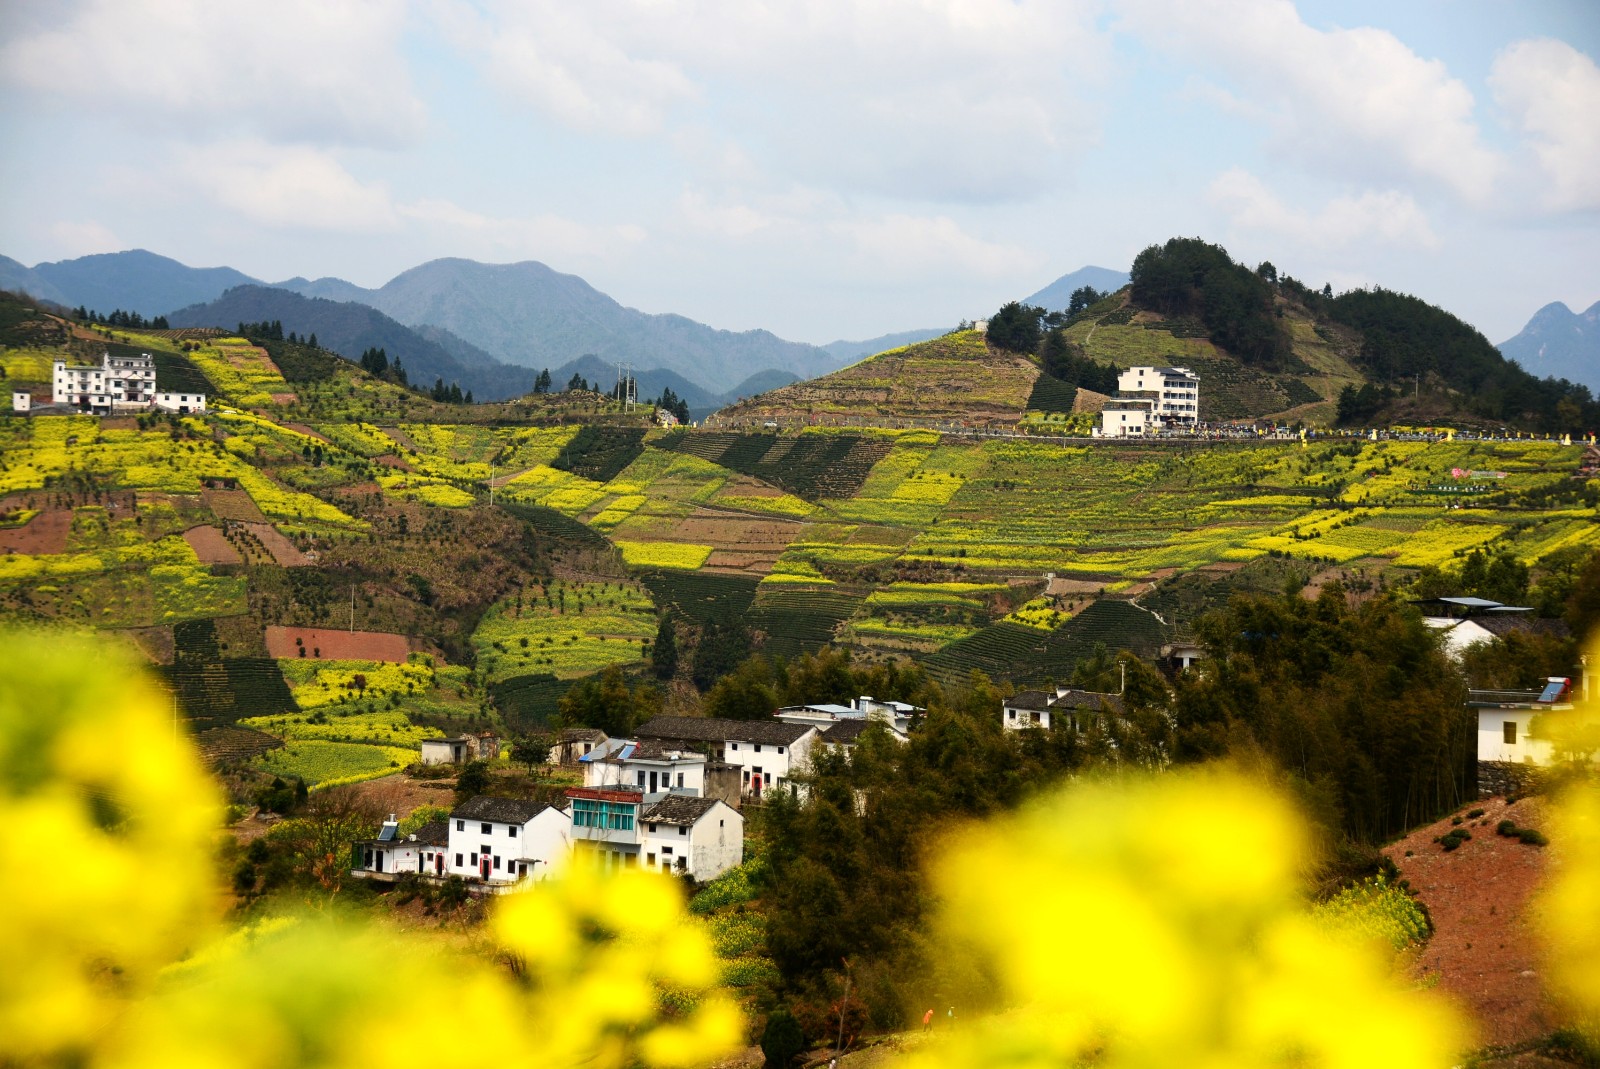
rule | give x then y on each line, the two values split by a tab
955	378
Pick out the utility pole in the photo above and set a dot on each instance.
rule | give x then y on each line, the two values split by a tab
352	608
838	1046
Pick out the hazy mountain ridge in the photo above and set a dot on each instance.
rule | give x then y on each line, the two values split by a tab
349	329
532	315
525	314
1561	343
857	350
1058	295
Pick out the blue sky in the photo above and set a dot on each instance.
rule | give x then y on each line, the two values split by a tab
822	168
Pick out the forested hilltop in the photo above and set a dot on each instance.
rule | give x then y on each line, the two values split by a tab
1265	346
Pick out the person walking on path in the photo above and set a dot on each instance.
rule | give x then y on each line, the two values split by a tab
927	1020
951	1014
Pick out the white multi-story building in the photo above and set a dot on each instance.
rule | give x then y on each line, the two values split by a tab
1149	399
125	383
1176	392
698	837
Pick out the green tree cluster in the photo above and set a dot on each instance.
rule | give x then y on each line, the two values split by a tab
1016	328
1358	705
610	702
1405	339
119	318
1189	277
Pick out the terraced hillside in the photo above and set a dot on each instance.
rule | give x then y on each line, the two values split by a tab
954	380
356	505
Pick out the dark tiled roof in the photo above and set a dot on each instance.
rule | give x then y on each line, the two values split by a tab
499	810
711	729
433	833
845	731
1083	699
1030	699
583	735
677	809
1501	624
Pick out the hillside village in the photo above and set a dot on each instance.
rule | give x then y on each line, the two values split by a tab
435	652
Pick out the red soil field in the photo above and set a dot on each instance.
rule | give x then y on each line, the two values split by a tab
337	645
45	533
1483	948
209	545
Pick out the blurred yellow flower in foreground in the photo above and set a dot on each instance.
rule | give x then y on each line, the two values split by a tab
112	957
1159	922
599	950
1569	907
109	820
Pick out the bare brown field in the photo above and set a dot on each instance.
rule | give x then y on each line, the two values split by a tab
210	546
284	553
45	533
335	645
1483	949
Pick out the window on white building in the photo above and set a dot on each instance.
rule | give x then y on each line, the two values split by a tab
487	829
1509	730
461	825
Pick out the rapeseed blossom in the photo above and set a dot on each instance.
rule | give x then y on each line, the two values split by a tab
1161	923
114	956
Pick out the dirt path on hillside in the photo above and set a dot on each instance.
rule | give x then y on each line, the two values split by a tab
1483	948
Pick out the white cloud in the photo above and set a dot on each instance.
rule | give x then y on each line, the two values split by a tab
1552	92
1387	217
84	237
322	71
913	245
293	187
971	99
540	236
1357	101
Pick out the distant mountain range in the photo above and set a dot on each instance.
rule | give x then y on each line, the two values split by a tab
477	324
1056	296
135	281
1559	343
350	329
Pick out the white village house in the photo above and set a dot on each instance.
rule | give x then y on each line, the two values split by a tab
392	854
118	383
648	764
495	842
768	754
697	837
1062	709
899	717
1510	744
